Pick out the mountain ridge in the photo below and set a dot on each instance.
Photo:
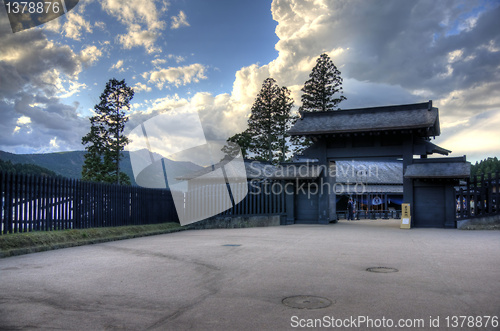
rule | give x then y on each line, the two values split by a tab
69	164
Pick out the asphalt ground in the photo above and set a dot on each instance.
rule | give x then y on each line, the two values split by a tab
237	279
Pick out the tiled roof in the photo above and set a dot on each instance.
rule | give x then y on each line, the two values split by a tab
402	117
438	168
369	172
369	188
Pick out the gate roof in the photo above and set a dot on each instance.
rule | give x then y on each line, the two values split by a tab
419	117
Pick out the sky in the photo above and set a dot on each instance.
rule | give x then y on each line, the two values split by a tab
213	56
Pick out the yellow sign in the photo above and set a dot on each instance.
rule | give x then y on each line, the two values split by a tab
405	216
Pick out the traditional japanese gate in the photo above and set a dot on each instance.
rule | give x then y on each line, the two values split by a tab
391	133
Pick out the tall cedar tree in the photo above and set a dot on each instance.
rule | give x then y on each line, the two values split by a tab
284	122
105	141
270	119
324	81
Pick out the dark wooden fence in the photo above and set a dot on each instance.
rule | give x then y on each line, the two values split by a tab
32	203
479	197
263	198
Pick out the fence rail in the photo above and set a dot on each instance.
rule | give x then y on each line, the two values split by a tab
33	203
480	197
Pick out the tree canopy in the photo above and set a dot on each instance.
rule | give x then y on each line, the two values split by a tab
320	89
267	136
105	141
486	166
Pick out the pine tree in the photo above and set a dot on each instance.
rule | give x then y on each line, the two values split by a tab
105	141
324	82
261	121
284	121
269	122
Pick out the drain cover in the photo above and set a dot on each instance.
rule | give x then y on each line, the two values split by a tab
383	270
231	245
306	302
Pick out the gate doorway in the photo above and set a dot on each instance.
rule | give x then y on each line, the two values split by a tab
306	207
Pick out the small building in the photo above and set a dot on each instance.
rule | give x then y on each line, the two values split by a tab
434	181
383	134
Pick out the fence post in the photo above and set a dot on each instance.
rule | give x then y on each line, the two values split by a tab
3	213
77	202
29	204
489	192
476	199
51	204
461	203
483	207
85	210
497	193
57	203
25	203
15	195
67	205
4	187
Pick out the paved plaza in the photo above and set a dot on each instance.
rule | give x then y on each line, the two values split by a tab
237	279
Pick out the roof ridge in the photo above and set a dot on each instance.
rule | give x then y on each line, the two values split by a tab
413	106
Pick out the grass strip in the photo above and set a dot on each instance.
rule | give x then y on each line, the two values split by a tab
31	242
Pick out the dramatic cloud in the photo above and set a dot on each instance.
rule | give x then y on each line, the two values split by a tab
142	19
213	112
30	58
389	53
34	74
31	123
477	136
176	75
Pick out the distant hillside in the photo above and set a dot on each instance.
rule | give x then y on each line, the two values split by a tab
485	167
69	164
26	169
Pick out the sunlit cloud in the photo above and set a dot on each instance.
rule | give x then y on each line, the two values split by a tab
179	20
142	21
177	75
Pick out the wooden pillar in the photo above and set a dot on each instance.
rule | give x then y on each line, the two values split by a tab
324	197
386	215
407	182
290	204
332	196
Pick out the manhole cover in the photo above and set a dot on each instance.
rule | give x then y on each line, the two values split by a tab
383	270
231	245
306	302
